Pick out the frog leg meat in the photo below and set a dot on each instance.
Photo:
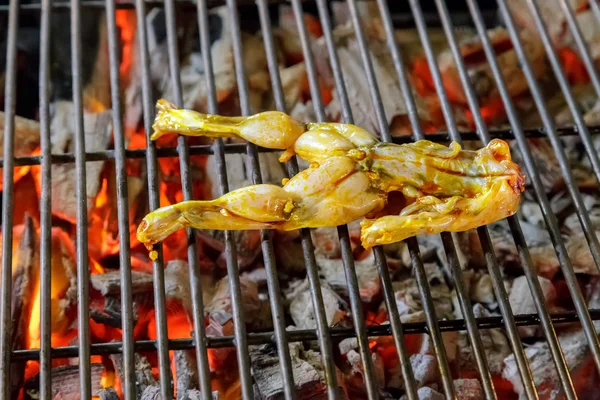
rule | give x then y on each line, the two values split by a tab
330	194
429	215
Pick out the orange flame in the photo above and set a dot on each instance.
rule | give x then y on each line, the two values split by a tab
126	23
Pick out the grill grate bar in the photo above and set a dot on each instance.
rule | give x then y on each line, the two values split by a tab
549	217
154	203
493	268
83	273
186	184
127	324
45	207
196	150
300	335
513	221
8	198
412	242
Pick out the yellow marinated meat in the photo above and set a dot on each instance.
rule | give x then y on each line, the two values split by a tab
352	175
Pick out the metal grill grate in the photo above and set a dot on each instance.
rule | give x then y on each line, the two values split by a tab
323	333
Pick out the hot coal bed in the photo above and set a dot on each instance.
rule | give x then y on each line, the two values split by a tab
506	311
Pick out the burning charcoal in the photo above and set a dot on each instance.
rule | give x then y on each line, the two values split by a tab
301	307
98	129
432	250
143	372
348	344
409	301
64	287
219	309
521	300
289	253
545	160
25	279
577	355
450	340
186	371
26	137
494	343
481	288
108	394
247	244
293	81
580	254
332	271
468	389
110	283
356	85
108	310
151	393
65	383
355	377
425	369
309	377
592	205
427	393
258	276
195	394
480	73
551	12
327	242
560	203
540	247
177	284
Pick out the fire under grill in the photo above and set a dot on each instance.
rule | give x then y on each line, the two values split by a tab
506	311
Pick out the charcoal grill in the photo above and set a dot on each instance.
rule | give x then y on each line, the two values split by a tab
324	334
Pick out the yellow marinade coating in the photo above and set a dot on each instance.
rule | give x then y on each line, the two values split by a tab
351	176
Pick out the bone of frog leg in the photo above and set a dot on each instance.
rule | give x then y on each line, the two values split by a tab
270	129
455	214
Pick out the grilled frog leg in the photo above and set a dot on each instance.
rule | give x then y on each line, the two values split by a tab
411	189
330	194
313	142
271	129
428	215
